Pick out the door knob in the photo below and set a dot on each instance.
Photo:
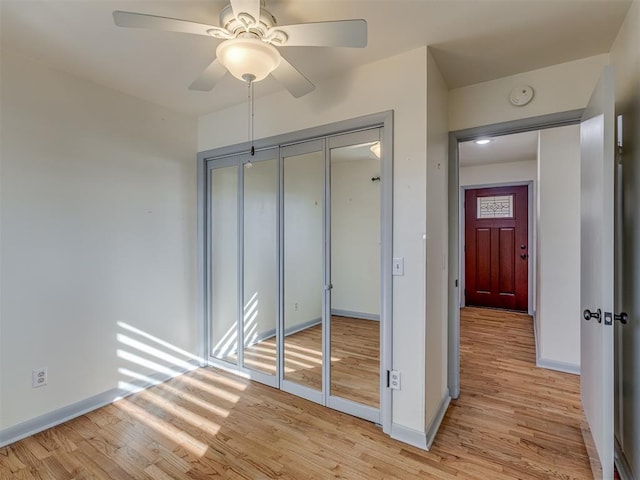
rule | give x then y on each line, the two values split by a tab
623	318
588	315
523	247
523	256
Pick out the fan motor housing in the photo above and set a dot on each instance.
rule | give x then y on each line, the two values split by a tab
246	23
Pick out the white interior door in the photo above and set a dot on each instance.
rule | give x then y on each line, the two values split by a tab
597	150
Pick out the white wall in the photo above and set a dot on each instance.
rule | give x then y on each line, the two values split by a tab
558	299
625	56
558	88
437	241
496	173
98	227
399	84
355	236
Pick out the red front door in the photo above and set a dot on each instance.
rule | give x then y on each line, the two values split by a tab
497	247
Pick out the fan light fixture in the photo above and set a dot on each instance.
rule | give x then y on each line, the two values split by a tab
248	59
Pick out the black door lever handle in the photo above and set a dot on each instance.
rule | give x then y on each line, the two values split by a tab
623	318
588	315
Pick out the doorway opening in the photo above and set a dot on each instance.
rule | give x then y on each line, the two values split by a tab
501	169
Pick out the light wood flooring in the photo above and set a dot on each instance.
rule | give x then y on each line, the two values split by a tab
512	421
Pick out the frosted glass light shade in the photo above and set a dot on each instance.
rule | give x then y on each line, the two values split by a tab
246	58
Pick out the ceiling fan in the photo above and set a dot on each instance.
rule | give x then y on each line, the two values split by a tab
250	36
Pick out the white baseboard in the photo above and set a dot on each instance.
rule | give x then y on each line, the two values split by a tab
437	419
348	313
417	438
409	435
43	422
558	366
623	466
535	333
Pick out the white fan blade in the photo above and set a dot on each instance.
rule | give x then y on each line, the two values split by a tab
208	79
341	33
141	20
297	84
249	7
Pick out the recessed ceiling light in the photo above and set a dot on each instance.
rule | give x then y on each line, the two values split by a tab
483	141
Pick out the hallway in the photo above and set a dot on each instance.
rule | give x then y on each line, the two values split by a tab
513	419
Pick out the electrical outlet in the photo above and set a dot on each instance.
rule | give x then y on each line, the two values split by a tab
295	306
39	377
394	379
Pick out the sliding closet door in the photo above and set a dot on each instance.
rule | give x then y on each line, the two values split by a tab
223	260
260	265
298	295
353	246
303	275
243	270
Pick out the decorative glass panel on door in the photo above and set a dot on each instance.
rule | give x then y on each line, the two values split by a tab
260	273
355	271
303	267
223	268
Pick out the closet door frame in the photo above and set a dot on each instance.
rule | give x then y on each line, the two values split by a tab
208	159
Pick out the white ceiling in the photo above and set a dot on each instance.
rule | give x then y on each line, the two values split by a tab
506	148
472	40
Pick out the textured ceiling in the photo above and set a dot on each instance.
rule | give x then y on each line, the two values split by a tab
472	40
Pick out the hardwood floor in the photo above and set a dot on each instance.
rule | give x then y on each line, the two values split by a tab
512	421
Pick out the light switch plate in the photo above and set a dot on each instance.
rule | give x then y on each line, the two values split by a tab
398	266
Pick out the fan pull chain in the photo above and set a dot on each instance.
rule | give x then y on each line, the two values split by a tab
251	115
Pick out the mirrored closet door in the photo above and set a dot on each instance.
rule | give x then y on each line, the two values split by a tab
303	167
222	253
259	259
243	264
354	300
295	278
